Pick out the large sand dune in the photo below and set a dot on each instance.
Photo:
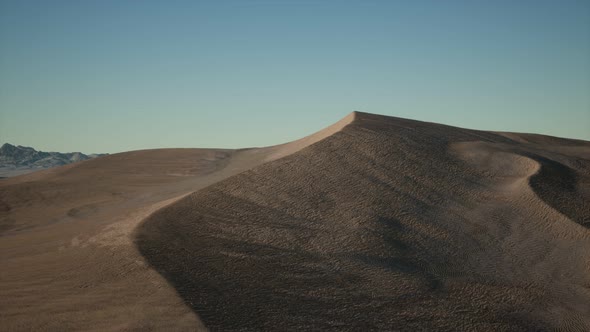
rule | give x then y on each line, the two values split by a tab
373	223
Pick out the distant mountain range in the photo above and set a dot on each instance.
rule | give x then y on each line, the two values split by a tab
17	160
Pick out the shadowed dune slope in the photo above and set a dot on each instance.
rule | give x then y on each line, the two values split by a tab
388	224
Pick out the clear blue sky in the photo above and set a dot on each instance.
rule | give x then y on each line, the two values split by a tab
109	76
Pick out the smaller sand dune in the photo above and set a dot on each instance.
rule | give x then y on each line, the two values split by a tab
559	180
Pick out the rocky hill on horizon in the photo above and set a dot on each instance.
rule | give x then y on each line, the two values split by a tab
17	159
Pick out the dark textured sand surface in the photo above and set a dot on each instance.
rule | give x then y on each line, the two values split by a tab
375	223
388	224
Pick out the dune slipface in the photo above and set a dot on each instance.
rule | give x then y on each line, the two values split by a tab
388	224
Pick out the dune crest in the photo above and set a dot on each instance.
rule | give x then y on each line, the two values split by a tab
282	150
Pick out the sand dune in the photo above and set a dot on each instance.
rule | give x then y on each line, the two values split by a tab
386	224
375	223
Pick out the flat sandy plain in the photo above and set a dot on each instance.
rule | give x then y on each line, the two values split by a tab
375	223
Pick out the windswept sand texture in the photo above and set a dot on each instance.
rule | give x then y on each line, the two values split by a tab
373	223
388	224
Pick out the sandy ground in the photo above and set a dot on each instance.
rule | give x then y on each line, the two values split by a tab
375	223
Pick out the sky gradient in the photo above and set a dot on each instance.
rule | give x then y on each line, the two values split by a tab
111	76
